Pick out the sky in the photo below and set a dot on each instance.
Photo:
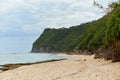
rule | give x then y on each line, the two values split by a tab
23	21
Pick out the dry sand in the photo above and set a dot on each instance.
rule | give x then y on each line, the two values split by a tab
77	67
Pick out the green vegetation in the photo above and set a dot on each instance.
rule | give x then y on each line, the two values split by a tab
103	33
113	30
113	34
87	36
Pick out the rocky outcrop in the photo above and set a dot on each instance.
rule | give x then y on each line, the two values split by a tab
99	53
41	50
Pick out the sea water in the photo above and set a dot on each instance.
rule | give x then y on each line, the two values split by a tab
13	58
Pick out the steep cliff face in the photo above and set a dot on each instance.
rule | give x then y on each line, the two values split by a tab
100	35
57	40
87	36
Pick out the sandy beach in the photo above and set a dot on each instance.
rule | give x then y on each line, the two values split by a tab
77	67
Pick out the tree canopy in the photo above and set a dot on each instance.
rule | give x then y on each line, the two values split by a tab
113	30
87	36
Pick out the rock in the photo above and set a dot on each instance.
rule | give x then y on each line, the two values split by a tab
84	59
116	56
98	54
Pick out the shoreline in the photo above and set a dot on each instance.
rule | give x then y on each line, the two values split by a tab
7	67
11	66
77	67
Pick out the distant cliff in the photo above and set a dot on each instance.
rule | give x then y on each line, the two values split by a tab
87	36
100	36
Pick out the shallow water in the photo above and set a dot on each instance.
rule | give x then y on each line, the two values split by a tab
13	58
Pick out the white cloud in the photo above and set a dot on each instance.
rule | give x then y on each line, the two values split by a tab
28	18
7	5
57	13
33	27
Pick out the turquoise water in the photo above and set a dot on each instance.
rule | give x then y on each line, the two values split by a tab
13	58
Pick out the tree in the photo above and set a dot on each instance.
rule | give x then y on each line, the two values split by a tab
113	34
113	30
110	7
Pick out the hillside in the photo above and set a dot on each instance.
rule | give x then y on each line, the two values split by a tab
87	36
101	36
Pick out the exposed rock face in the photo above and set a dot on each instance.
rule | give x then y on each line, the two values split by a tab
35	50
113	51
108	54
99	53
41	50
116	56
116	51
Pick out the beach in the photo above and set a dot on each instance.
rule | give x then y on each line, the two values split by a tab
76	67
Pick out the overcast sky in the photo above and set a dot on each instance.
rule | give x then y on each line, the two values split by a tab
22	21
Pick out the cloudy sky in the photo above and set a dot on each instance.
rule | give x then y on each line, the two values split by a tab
22	21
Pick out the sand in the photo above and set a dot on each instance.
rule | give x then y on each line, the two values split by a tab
77	67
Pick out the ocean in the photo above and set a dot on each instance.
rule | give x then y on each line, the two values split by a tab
13	58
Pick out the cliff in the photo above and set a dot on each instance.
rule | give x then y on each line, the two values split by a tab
99	36
87	36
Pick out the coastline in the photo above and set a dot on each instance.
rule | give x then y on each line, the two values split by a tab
7	67
10	66
77	67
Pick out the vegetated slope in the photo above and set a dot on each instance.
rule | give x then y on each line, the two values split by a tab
94	36
87	36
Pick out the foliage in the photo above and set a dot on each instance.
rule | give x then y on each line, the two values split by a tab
81	37
87	36
113	30
110	7
93	38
